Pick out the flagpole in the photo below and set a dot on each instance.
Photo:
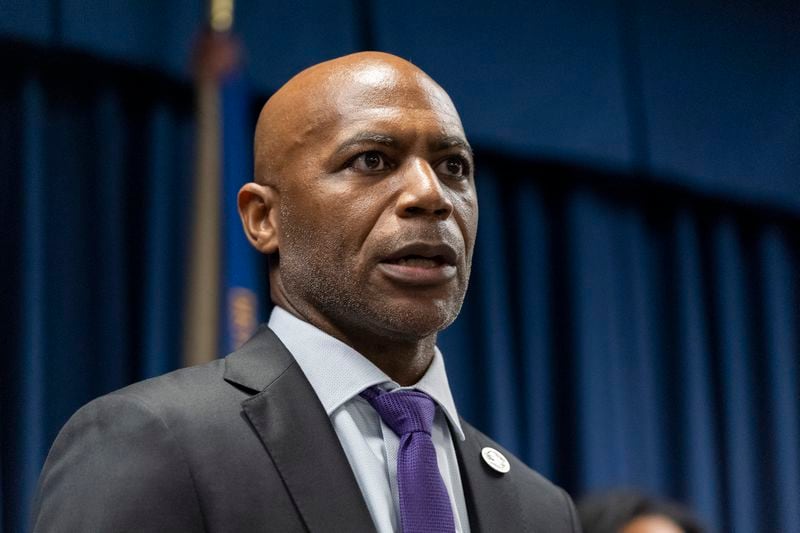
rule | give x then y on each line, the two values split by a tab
214	55
243	272
220	15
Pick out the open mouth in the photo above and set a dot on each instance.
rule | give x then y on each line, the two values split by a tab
421	264
419	261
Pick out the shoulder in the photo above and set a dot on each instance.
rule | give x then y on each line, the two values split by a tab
165	444
164	403
181	388
174	413
151	402
119	454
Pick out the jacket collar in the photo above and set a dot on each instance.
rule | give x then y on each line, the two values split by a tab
292	424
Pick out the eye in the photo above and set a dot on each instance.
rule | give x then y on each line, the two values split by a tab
371	161
454	166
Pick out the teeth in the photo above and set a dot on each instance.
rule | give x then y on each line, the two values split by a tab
423	262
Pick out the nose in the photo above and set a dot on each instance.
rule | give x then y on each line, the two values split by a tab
422	193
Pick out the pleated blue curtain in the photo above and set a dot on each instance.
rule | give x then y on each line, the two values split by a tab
95	178
615	332
638	337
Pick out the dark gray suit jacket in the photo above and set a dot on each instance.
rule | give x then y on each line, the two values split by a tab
244	445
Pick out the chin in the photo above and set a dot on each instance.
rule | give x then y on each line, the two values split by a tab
418	320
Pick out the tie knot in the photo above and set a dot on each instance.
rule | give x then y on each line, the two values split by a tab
404	411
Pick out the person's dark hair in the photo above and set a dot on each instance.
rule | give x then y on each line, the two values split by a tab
609	512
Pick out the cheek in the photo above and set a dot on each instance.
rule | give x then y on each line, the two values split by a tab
318	233
466	212
354	214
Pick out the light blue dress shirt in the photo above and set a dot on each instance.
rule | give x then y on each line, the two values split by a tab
338	374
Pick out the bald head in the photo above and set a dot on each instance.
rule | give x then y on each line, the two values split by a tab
309	106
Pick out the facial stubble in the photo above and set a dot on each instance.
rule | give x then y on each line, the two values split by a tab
319	276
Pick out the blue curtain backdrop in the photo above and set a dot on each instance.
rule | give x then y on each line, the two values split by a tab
634	313
96	173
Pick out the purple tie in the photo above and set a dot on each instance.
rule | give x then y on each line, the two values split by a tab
424	503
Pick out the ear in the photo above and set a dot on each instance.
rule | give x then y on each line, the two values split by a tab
258	208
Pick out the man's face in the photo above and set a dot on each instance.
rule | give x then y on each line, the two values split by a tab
378	211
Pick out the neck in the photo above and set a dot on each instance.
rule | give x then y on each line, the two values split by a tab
404	362
403	358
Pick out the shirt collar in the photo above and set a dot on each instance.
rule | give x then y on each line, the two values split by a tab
338	373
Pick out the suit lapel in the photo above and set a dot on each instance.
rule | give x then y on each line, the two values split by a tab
488	494
297	433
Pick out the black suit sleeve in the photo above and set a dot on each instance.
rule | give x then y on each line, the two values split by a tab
116	467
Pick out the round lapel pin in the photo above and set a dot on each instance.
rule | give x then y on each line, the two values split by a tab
496	460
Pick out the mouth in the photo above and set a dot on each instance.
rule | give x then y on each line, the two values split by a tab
421	264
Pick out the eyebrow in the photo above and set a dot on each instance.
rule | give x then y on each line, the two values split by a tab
452	141
443	143
366	137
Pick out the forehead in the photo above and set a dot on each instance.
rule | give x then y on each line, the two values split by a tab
382	96
386	85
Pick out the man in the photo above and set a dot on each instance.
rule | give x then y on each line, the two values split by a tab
364	200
